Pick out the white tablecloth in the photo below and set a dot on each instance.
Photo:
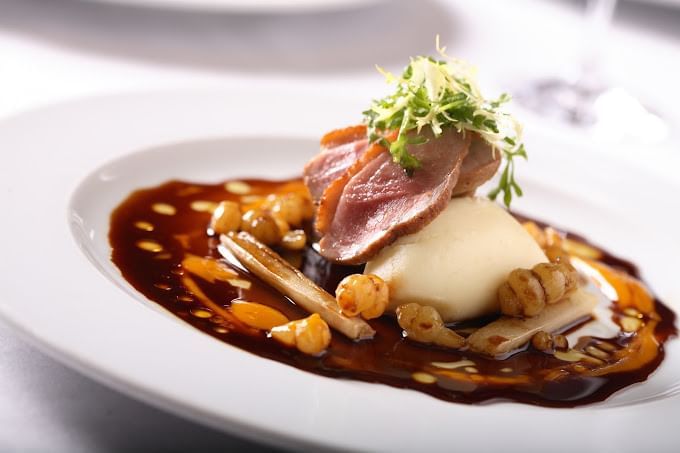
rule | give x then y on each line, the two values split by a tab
56	50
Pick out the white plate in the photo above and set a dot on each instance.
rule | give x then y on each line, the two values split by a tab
65	302
247	6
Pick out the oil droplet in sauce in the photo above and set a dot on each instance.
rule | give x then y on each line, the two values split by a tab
150	246
237	187
424	378
201	313
164	209
203	206
144	226
251	199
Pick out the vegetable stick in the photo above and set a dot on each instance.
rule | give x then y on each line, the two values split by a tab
508	333
274	270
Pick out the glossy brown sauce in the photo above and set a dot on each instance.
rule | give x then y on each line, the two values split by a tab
167	234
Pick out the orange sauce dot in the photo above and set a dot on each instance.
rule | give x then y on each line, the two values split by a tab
257	315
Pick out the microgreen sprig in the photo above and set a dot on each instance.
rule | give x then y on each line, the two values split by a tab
439	94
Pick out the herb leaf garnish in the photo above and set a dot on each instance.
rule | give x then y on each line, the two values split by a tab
439	94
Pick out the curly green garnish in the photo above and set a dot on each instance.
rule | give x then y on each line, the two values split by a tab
439	94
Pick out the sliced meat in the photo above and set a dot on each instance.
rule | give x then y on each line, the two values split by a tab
339	150
381	202
328	203
480	164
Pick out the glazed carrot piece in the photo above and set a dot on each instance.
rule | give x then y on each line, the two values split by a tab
339	136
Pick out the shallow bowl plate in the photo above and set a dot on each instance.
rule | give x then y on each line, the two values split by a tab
64	168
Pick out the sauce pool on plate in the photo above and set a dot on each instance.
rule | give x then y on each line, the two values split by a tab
155	230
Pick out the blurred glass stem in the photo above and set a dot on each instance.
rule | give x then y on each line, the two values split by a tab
599	14
586	98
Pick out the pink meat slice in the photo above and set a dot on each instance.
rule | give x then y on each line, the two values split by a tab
381	202
336	156
480	164
328	203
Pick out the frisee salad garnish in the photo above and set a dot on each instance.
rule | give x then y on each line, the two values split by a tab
438	94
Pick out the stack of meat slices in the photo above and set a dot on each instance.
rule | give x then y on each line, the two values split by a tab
366	201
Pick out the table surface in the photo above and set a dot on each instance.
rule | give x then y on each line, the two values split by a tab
56	50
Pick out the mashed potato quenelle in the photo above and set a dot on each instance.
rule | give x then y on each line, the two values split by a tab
457	262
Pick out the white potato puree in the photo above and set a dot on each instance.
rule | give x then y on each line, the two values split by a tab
457	262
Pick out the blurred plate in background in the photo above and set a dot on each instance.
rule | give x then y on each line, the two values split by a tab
675	3
247	6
